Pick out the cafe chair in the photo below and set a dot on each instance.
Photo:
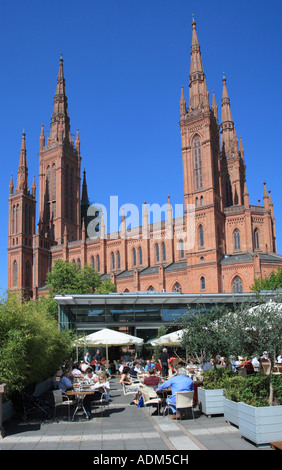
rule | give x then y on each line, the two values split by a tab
60	399
183	400
102	402
150	398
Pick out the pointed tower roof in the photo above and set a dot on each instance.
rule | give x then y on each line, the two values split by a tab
33	187
182	104
199	95
22	182
84	197
227	125
214	107
60	121
11	185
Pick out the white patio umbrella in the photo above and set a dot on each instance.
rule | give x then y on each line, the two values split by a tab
107	338
170	339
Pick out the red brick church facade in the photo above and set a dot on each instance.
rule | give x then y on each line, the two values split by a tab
234	240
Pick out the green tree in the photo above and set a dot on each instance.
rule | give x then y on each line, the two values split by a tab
158	349
67	278
204	332
271	282
31	345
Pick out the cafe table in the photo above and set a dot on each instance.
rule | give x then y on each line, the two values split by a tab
79	396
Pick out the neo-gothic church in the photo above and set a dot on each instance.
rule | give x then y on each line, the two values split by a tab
234	241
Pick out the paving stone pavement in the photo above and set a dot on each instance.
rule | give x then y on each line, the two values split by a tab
124	427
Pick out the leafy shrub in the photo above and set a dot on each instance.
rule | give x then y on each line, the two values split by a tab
254	390
31	345
215	378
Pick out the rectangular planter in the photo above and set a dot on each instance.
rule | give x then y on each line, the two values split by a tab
260	425
211	401
230	409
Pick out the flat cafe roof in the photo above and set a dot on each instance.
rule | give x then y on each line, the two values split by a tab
157	298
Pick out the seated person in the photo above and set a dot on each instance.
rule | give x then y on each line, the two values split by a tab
152	380
90	376
65	382
134	370
248	366
76	372
124	379
102	386
178	383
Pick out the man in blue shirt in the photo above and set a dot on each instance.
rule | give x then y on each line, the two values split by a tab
65	382
178	383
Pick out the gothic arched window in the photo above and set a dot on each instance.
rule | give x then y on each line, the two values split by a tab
236	237
201	236
197	157
151	289
98	263
256	239
228	192
140	256
118	260
157	253
54	182
15	273
163	251
181	243
27	274
134	257
113	260
203	283
71	196
177	287
93	262
237	285
67	192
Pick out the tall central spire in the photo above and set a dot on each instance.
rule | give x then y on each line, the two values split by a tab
199	95
60	121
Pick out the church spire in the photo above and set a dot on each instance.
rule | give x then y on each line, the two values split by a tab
22	182
227	125
60	121
84	197
199	95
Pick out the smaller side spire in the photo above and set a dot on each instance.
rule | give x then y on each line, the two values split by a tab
182	104
227	125
77	143
42	138
214	107
33	187
22	181
11	185
265	197
84	197
246	195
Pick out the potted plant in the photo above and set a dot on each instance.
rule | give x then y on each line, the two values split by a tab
231	398
210	394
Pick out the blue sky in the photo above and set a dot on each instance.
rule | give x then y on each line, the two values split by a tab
124	64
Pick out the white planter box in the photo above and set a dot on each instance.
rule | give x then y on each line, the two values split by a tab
260	425
211	401
230	409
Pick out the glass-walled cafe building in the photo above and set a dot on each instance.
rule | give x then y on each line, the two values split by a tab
139	313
